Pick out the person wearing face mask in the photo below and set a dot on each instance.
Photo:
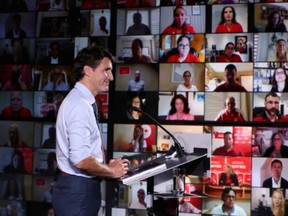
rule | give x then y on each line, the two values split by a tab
271	112
229	55
228	21
179	25
230	85
183	52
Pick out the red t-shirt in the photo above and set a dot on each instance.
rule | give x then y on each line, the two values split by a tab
225	88
23	112
230	116
263	118
173	30
189	58
235	27
221	151
225	58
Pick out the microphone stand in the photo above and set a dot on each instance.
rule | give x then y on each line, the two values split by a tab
176	149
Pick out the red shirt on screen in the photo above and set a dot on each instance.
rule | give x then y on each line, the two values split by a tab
189	58
23	112
235	27
221	151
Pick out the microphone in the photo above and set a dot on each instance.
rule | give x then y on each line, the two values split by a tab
177	146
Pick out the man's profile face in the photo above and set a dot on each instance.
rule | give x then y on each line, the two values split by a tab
272	105
228	141
276	169
230	76
229	199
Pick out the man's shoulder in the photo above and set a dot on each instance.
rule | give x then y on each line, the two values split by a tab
267	182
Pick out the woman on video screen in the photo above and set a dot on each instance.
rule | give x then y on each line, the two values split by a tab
228	21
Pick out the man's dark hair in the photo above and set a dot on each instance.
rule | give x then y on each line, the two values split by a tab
226	191
272	94
230	67
89	56
227	132
276	161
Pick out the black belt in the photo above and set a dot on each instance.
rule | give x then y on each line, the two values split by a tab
95	178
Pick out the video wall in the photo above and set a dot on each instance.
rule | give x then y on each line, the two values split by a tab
213	73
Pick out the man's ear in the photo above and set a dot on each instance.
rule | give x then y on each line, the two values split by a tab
87	70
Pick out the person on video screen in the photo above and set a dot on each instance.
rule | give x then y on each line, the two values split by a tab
271	112
17	163
102	31
57	81
279	80
50	142
16	82
187	85
229	55
228	23
280	53
12	191
228	177
230	85
228	149
134	101
275	23
79	150
183	52
277	149
229	207
276	180
136	84
14	139
138	28
137	56
54	56
179	109
16	31
16	108
138	143
230	113
179	25
19	54
140	203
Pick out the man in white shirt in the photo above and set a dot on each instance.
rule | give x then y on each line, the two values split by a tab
140	204
79	150
228	207
136	84
276	181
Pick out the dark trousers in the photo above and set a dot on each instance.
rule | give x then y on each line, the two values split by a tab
76	196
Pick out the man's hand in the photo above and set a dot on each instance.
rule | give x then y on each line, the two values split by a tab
119	167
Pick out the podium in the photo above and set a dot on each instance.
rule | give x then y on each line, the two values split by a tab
160	165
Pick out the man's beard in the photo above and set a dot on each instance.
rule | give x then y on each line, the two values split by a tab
273	111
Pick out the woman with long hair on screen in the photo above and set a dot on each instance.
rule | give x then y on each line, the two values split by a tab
228	23
277	148
278	204
275	23
179	109
138	143
179	25
281	51
279	80
17	163
134	102
228	177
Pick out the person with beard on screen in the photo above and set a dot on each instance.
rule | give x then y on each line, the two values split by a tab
271	112
136	84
